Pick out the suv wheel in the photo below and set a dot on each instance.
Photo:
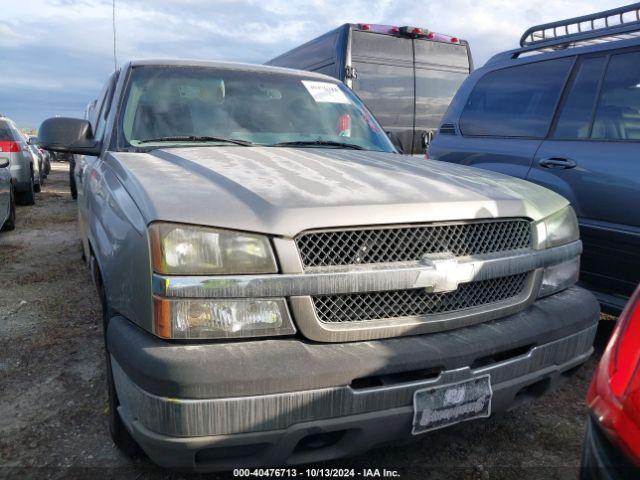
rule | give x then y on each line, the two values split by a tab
119	433
10	224
28	197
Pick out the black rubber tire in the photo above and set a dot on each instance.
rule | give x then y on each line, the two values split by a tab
28	197
119	433
10	224
38	187
72	179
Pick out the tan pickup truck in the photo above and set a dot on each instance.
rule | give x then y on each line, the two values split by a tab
280	286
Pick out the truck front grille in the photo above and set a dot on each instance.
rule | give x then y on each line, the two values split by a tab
359	307
411	243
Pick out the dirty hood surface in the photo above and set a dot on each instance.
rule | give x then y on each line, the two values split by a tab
286	190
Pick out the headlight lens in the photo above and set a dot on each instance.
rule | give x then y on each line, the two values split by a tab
190	250
224	318
558	229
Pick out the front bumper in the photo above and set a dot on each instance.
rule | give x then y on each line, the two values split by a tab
274	402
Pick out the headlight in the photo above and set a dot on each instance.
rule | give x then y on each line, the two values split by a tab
558	229
559	277
223	318
190	250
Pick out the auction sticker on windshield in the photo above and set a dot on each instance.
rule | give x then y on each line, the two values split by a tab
444	405
325	92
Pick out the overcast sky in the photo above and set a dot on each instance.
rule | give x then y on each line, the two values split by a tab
56	54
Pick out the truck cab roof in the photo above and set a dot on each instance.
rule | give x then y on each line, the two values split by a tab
228	65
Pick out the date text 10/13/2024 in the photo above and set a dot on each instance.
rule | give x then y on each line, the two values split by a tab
315	473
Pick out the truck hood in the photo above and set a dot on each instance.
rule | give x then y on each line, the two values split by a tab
283	191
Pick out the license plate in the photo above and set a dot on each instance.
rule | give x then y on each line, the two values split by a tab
444	405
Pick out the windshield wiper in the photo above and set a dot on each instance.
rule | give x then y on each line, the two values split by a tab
327	143
197	138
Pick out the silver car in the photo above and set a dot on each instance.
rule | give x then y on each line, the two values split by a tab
45	157
280	286
24	166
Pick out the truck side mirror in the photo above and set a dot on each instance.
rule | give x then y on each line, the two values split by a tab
68	135
428	138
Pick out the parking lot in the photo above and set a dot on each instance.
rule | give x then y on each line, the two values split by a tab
53	421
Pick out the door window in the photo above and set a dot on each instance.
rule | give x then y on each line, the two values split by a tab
376	47
574	120
618	113
434	91
387	91
103	106
516	101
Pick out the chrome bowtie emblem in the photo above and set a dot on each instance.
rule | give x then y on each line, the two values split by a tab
443	274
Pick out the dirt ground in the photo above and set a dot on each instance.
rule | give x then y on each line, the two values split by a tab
53	409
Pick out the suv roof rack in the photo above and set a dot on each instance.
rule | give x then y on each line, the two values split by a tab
616	24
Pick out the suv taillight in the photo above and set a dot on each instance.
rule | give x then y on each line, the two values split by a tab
614	394
9	146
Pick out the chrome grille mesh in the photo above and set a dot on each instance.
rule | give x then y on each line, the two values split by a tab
410	243
406	303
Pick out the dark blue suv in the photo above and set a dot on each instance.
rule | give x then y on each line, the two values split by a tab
563	111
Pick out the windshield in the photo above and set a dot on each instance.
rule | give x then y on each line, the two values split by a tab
217	106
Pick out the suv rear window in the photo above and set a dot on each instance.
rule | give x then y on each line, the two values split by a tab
516	101
5	132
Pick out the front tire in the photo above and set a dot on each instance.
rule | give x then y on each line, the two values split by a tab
72	179
119	433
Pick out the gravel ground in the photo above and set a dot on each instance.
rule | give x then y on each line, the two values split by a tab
53	409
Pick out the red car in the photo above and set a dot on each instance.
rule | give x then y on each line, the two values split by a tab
612	444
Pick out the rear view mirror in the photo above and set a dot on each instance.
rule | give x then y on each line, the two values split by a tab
68	135
428	138
4	162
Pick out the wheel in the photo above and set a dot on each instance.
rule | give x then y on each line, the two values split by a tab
38	187
72	180
28	197
119	433
10	224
